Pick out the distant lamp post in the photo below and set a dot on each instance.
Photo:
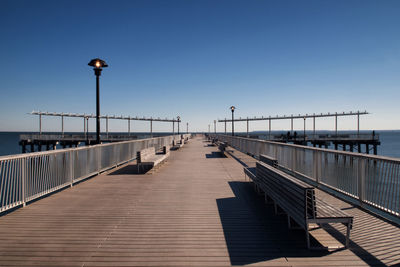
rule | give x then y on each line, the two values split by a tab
209	129
187	128
215	126
179	120
304	133
233	127
97	65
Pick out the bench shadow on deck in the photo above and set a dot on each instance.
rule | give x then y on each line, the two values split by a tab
253	232
131	169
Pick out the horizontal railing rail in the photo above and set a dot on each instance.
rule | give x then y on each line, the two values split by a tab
319	137
25	177
372	181
77	137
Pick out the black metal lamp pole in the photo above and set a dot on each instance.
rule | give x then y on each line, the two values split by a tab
233	129
179	120
98	64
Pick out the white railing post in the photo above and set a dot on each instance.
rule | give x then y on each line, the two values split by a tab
71	167
23	178
361	180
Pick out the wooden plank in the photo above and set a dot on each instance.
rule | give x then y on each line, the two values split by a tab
195	211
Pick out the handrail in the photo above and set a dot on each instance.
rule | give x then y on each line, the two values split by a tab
371	181
25	177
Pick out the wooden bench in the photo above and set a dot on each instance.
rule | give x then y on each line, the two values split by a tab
297	199
269	160
177	144
149	157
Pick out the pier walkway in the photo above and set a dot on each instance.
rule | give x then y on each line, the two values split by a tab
197	209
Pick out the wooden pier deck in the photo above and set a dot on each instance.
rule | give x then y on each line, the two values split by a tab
195	210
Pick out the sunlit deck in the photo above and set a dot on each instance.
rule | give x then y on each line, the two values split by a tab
197	209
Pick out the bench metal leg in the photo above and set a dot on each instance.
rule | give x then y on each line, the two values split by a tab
307	237
267	199
348	235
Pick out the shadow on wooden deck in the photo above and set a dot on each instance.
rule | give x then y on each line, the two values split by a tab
253	233
131	169
215	155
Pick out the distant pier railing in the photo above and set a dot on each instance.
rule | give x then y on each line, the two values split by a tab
25	177
371	181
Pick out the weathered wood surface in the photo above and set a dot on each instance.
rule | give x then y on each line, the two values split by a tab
196	210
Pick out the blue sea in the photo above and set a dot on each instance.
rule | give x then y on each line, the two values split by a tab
390	142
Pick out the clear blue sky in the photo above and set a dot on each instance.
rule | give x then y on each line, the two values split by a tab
197	58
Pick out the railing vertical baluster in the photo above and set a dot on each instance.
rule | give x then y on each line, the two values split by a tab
361	181
71	167
23	180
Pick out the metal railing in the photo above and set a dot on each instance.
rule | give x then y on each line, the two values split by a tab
317	137
25	177
373	181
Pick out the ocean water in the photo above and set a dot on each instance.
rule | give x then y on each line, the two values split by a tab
9	141
390	142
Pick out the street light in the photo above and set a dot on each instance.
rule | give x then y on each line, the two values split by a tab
97	65
233	129
215	126
179	120
187	128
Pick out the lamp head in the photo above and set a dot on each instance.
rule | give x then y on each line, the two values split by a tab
98	63
232	108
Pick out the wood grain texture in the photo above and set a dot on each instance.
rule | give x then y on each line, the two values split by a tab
196	209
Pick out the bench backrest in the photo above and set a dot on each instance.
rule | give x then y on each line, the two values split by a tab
145	153
269	160
295	197
166	149
250	172
222	146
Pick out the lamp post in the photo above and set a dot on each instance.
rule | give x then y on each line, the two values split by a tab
304	133
209	129
233	129
97	65
187	128
179	120
215	126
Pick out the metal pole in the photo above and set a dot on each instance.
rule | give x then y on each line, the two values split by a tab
209	129
336	124
247	127
314	126
291	129
98	106
151	127
304	138
269	129
225	125
178	126
129	126
87	129
215	126
107	126
358	124
187	127
84	126
173	127
40	124
233	126
62	125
